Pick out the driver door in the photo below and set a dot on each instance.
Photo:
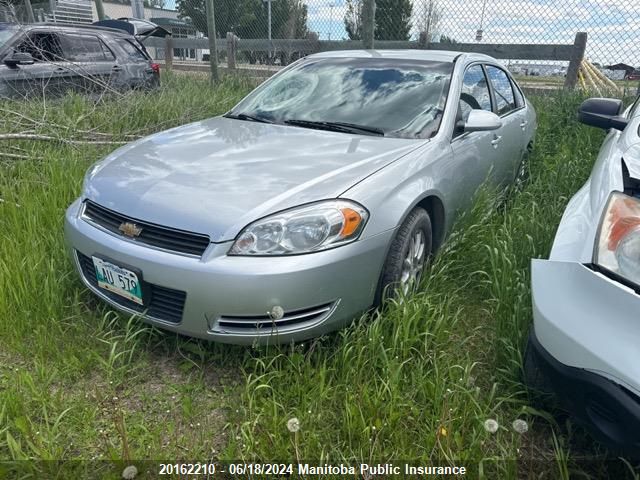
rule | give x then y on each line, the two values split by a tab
474	153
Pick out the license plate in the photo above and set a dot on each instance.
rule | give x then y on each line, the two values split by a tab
118	280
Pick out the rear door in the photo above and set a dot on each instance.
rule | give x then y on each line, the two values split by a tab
510	137
136	71
474	153
93	63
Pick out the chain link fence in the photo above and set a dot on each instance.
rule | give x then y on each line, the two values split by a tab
613	26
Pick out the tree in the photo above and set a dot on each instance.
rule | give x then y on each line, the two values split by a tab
248	18
448	40
393	19
428	20
353	19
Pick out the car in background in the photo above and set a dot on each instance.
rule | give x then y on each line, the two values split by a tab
53	59
325	189
586	296
635	75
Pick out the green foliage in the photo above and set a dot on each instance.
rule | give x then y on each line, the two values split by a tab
448	40
393	19
353	19
249	18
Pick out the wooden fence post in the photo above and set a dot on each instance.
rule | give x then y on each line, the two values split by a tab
579	47
232	47
423	40
368	23
213	48
168	52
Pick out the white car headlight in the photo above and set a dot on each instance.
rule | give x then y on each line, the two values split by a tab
305	229
618	242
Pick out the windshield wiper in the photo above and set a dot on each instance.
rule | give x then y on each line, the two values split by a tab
337	127
245	116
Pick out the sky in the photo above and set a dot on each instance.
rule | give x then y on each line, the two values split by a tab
613	26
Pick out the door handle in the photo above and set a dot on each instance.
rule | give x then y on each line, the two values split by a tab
524	124
59	71
497	139
116	68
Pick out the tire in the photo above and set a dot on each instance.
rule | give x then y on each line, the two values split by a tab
417	222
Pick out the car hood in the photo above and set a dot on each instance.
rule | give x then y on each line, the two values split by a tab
218	175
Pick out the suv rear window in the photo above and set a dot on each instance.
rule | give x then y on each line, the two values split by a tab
85	48
133	52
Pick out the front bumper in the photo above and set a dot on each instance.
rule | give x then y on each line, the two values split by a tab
587	331
609	411
226	297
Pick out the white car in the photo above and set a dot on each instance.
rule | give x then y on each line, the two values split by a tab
585	344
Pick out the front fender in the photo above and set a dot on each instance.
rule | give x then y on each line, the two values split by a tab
391	193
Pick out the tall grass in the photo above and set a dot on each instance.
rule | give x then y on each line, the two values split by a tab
415	381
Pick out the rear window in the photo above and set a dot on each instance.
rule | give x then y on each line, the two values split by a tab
85	48
133	52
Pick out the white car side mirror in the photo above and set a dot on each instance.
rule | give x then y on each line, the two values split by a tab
482	121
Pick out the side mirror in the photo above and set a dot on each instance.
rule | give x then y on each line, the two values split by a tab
18	58
602	113
482	121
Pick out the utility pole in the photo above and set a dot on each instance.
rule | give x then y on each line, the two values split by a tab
331	6
479	32
30	17
100	10
213	50
137	9
268	2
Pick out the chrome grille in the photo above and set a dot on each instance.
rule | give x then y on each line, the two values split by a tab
166	304
166	238
291	319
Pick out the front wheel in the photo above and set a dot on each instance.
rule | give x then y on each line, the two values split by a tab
407	257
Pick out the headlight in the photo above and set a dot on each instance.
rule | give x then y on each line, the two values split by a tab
305	229
618	243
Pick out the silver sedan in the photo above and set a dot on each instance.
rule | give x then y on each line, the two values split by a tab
325	189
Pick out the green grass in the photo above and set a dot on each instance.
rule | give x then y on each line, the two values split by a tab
414	382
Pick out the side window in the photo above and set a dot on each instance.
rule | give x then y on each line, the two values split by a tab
134	54
85	48
43	47
518	94
502	89
475	93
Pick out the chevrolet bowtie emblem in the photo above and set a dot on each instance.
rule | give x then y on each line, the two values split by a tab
129	229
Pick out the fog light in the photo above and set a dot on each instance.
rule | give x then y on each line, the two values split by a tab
276	313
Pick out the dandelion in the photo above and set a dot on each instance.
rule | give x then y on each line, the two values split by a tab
130	472
520	426
293	425
491	426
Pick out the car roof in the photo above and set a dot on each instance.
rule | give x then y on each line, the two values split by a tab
66	27
408	54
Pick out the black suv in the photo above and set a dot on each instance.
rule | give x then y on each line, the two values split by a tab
55	59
